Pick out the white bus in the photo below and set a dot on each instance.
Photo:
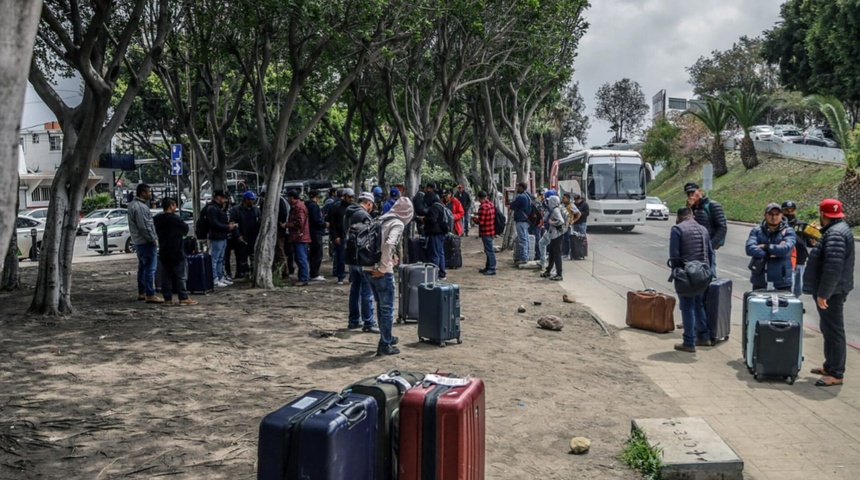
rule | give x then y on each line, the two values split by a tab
614	185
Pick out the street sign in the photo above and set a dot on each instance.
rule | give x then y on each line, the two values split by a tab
176	159
707	177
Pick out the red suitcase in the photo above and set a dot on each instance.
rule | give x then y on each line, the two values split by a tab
442	430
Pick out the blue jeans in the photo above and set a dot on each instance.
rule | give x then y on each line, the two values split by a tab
797	280
490	253
522	241
339	270
436	252
146	265
383	292
216	250
580	228
542	244
300	256
694	318
466	220
360	299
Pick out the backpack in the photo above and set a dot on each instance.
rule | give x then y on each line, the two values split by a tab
364	243
500	220
447	219
201	228
535	216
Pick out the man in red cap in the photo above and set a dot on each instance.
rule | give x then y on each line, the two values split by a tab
829	277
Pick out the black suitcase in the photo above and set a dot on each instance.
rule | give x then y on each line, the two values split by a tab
453	254
321	436
159	272
411	276
578	246
718	307
778	349
746	331
200	277
387	389
415	250
439	312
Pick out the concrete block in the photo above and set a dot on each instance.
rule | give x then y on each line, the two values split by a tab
692	450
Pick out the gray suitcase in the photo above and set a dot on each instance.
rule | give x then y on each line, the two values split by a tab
411	276
438	312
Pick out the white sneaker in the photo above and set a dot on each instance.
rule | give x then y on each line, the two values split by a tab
225	281
318	279
219	283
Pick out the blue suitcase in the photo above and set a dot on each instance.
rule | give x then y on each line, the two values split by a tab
200	276
718	308
438	312
320	436
773	334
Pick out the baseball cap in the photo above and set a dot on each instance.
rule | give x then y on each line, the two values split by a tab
348	192
431	186
249	195
691	187
395	192
789	204
831	208
377	190
482	194
219	193
366	196
772	206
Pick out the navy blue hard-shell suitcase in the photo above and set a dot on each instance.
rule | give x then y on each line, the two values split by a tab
718	308
416	250
438	312
200	276
321	436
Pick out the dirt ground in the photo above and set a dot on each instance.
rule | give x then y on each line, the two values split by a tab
126	389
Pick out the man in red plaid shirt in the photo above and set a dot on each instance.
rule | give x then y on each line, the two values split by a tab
486	220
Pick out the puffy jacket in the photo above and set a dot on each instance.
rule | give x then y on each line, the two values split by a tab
830	266
459	212
219	225
521	206
689	241
778	246
435	216
710	215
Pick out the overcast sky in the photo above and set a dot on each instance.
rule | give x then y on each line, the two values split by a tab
653	42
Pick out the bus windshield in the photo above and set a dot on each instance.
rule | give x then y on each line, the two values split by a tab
610	179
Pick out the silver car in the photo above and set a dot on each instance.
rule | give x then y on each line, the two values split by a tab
654	208
98	218
118	238
761	132
787	135
24	229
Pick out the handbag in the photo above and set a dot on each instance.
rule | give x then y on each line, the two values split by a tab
692	279
757	265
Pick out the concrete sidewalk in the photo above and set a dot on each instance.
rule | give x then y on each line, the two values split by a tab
781	431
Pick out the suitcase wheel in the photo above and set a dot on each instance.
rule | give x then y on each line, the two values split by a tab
459	342
420	340
758	378
791	380
441	344
399	320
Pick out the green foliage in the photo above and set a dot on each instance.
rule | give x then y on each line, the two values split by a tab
715	115
742	67
641	457
100	200
661	144
747	106
623	105
834	112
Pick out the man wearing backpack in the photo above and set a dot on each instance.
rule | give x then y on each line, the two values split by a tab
380	277
436	226
486	221
709	214
521	207
300	235
360	293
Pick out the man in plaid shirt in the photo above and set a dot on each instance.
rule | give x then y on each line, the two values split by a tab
486	220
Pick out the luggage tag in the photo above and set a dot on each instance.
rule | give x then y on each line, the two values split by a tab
446	381
395	379
774	303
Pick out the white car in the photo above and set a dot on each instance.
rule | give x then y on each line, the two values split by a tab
118	237
23	229
654	208
787	135
97	218
761	132
38	213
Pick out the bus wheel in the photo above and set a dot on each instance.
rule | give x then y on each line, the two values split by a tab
628	228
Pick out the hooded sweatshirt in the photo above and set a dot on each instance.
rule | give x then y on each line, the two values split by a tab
393	224
557	220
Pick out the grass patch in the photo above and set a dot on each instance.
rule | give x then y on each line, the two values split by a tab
744	193
640	456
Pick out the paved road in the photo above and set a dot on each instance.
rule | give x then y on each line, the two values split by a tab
651	243
82	255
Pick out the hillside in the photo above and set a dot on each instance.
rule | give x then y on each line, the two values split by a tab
744	194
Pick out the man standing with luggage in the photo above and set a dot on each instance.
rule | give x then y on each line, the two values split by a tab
360	293
300	236
171	231
709	214
689	242
581	224
381	276
316	224
219	229
829	278
521	206
770	245
486	221
435	229
573	214
144	238
466	201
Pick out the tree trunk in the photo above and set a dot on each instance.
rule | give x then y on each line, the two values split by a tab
413	179
748	154
264	251
849	195
11	278
718	157
17	34
542	158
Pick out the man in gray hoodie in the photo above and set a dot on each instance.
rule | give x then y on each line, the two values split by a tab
145	240
381	276
558	221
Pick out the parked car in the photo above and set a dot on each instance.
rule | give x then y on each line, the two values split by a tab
23	229
821	137
37	213
119	238
761	132
787	135
187	216
97	218
655	208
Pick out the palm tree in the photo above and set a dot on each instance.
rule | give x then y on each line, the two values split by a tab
715	116
849	141
747	107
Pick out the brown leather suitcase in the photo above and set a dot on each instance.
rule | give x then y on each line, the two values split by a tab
650	310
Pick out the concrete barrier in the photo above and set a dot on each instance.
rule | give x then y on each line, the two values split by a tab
796	151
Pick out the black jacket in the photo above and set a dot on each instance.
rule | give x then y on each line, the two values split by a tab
710	215
464	199
800	246
336	214
247	221
434	215
170	230
316	222
584	210
355	213
219	225
830	266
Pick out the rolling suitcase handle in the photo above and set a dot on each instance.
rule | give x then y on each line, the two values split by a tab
779	325
354	414
427	276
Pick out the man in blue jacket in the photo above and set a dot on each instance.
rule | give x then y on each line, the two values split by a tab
772	242
521	206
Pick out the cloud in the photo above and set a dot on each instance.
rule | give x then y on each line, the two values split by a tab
654	41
